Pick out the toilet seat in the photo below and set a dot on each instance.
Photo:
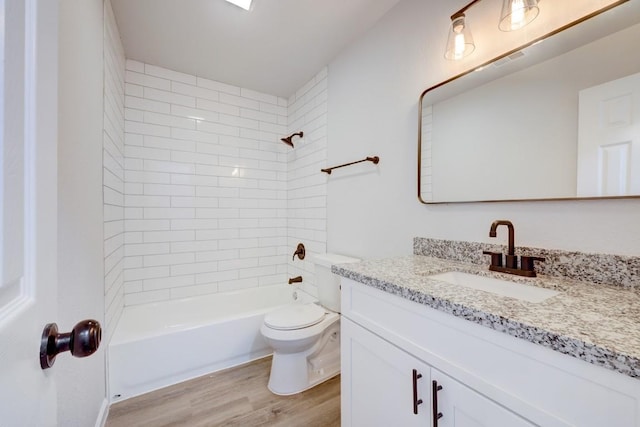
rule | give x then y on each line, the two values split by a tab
296	316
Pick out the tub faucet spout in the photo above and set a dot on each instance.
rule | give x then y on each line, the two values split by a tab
297	279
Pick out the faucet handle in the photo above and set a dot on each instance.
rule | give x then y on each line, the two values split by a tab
526	262
496	258
300	252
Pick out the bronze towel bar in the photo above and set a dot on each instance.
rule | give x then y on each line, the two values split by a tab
374	159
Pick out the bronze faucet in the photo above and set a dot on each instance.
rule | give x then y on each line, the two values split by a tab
511	266
512	261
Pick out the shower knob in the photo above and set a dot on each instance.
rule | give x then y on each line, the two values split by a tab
300	252
82	341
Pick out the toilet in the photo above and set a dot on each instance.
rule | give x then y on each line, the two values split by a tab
305	338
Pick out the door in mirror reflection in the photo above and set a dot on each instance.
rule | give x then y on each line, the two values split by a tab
609	139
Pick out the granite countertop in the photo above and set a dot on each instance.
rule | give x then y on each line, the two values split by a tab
597	323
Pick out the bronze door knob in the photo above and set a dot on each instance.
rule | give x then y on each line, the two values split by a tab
83	340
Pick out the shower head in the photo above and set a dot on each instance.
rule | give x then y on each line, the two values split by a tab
288	139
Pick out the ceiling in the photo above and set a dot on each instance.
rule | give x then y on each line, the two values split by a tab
275	48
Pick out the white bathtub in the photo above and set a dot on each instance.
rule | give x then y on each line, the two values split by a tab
159	344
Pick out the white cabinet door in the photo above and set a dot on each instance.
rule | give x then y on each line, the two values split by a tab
378	382
456	405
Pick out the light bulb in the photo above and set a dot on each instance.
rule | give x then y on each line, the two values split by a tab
460	40
459	46
517	13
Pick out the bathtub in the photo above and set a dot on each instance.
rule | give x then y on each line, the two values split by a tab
159	344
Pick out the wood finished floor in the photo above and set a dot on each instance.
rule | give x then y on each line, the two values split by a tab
233	397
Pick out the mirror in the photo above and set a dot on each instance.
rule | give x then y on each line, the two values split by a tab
557	119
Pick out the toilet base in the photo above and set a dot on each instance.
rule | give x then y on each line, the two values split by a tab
296	372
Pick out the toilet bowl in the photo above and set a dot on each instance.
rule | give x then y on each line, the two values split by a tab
305	338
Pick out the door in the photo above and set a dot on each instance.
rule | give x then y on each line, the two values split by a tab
28	117
378	382
609	138
459	406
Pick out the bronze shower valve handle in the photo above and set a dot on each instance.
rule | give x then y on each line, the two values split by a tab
300	251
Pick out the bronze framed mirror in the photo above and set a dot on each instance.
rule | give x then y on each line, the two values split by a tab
555	119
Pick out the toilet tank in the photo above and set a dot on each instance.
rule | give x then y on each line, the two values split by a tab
328	284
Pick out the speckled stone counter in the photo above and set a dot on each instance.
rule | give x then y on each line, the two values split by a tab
604	269
598	323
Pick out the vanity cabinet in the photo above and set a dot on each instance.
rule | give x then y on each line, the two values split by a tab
379	380
487	377
461	406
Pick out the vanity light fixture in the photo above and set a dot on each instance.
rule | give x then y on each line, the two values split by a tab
515	15
460	41
245	4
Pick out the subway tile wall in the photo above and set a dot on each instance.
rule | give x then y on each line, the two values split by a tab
306	185
113	171
213	199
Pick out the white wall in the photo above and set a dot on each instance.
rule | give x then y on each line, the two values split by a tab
374	88
81	385
113	172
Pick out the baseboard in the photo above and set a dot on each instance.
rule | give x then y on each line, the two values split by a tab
103	414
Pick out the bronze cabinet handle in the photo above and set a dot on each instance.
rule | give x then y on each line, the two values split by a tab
416	401
434	400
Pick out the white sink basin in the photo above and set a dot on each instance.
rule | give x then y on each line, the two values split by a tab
496	286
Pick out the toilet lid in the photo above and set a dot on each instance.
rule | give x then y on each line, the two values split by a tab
295	316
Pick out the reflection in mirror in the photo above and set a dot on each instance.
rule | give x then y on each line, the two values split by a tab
556	120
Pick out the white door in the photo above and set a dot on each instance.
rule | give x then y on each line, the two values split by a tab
459	406
609	139
378	382
28	117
